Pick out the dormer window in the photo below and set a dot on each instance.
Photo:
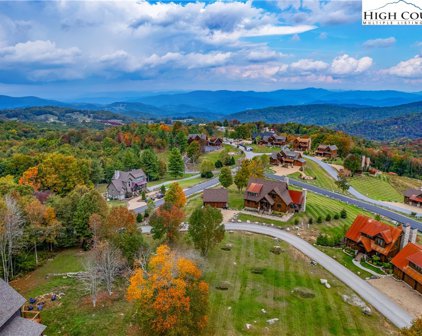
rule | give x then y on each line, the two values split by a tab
379	241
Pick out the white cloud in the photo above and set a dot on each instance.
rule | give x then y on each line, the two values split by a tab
43	52
380	43
411	68
264	55
269	72
309	65
347	65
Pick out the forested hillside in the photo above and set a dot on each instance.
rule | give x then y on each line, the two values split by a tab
407	126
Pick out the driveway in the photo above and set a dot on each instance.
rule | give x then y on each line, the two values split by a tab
388	308
392	311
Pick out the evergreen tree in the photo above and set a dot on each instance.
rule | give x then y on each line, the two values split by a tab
176	165
181	141
150	164
194	151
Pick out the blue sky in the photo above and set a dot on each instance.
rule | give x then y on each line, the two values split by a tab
71	49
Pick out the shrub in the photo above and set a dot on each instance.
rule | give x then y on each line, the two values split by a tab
296	221
139	218
144	196
328	218
343	213
319	220
336	216
258	270
311	220
207	174
218	164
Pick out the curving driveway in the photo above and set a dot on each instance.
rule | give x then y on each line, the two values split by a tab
392	311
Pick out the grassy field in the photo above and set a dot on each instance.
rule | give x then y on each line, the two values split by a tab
235	198
214	156
401	183
265	149
322	179
378	188
169	178
325	314
192	204
192	182
247	217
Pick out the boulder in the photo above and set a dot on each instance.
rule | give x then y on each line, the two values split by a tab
367	311
276	249
257	270
272	321
227	247
248	326
263	311
327	285
223	285
323	281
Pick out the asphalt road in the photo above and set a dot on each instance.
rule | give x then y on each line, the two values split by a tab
370	294
364	205
334	174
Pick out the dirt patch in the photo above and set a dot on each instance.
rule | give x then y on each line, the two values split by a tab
409	299
135	203
228	214
337	167
283	171
406	207
103	299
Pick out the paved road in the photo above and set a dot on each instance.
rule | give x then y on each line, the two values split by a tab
364	205
334	174
188	192
373	296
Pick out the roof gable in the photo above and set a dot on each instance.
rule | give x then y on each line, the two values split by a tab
11	302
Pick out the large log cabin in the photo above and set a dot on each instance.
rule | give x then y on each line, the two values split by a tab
328	151
287	158
413	197
407	266
371	237
268	196
302	144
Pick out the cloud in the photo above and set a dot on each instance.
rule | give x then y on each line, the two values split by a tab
411	68
323	36
264	55
380	43
309	65
41	52
347	65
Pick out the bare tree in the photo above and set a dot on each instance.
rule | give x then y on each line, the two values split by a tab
110	263
91	277
11	231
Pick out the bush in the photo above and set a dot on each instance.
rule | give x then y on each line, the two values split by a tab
336	216
258	270
163	189
328	218
144	196
311	220
343	213
319	220
218	164
139	218
296	221
208	174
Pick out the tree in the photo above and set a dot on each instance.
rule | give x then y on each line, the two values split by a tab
242	175
343	213
172	297
11	231
129	244
163	189
90	203
181	141
91	276
175	195
176	165
150	164
30	178
342	183
206	228
150	207
352	162
43	224
119	219
226	178
218	164
206	168
414	330
166	221
162	168
194	151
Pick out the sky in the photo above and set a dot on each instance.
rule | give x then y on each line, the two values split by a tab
76	49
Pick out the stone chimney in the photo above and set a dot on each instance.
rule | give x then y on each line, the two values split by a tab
413	236
368	161
406	236
305	194
363	162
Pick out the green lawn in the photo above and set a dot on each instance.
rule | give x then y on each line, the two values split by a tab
264	149
378	188
191	182
241	304
215	155
169	178
116	203
252	218
322	180
192	204
235	198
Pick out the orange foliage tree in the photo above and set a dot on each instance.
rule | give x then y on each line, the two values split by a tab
118	218
175	195
166	221
172	297
30	178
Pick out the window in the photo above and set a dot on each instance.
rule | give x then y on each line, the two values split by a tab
379	241
416	267
279	206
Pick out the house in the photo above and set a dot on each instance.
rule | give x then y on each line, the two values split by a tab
215	142
289	158
279	140
126	184
302	144
261	135
12	317
269	139
273	196
407	266
328	151
413	197
216	198
371	237
201	138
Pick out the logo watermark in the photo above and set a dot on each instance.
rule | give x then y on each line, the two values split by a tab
391	12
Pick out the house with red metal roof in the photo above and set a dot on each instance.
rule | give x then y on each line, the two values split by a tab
372	237
273	197
413	197
407	266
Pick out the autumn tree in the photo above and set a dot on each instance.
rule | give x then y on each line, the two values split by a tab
166	222
171	295
242	175
176	166
226	178
352	162
206	228
30	178
175	195
194	151
118	219
414	330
